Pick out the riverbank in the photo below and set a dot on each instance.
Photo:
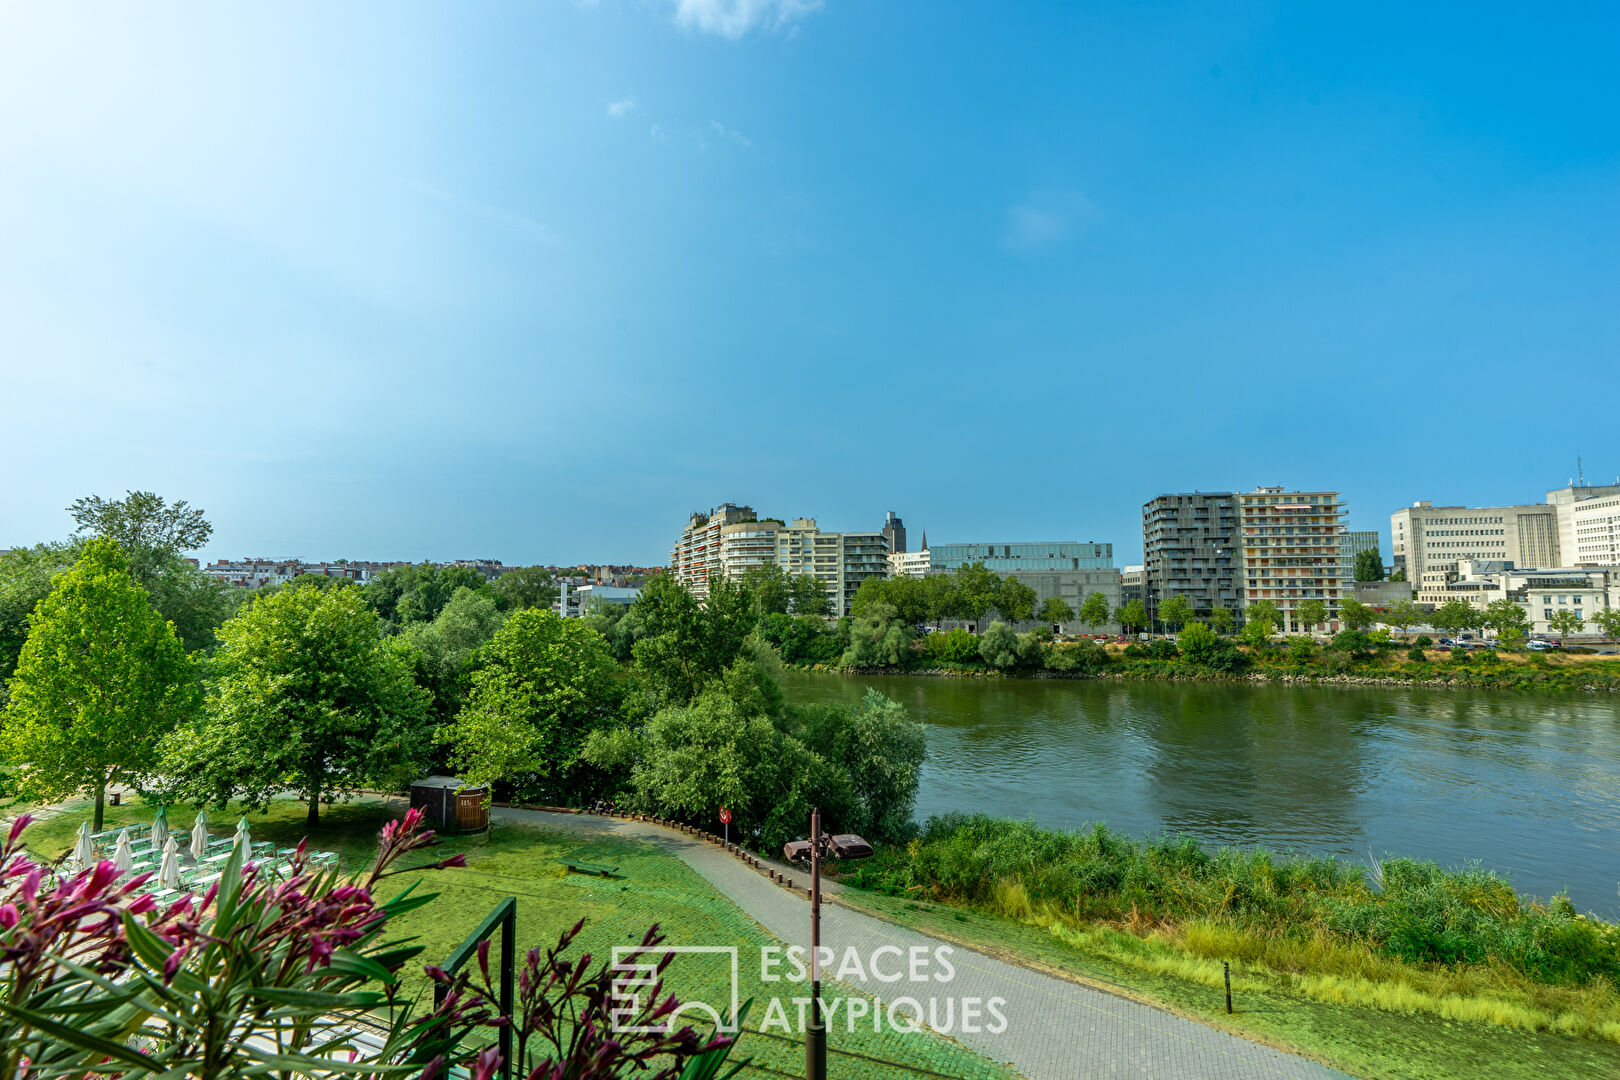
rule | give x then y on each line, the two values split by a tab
1579	676
1324	938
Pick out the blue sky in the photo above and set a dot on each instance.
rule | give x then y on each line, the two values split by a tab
535	280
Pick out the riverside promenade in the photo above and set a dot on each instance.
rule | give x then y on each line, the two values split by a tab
1056	1029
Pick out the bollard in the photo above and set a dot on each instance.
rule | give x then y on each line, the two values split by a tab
1227	970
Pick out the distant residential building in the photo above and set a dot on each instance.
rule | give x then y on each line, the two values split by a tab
1429	541
1055	568
1190	549
894	533
1292	552
1381	594
1576	502
731	540
910	563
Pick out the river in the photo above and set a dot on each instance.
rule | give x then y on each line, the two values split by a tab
1526	785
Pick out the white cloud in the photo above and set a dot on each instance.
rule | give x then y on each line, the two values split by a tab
726	133
620	108
1045	219
735	18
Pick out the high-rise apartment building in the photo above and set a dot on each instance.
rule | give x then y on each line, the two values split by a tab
731	540
1292	551
1594	530
1189	547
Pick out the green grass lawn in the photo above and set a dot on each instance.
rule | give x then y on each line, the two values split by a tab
1359	1040
651	887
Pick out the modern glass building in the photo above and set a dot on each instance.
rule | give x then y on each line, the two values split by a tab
1006	558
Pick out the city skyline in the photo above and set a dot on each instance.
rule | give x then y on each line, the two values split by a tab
532	283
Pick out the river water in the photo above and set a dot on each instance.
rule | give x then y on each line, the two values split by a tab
1526	785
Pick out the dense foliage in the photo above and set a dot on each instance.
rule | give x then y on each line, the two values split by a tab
1414	911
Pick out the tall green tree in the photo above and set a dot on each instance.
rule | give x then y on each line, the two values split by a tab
1094	612
685	645
769	587
808	595
1176	611
306	696
1507	618
543	684
1354	614
525	587
25	580
1015	601
1222	619
149	530
1309	614
1260	621
1566	623
445	646
1369	566
1454	616
1133	616
974	592
1056	610
1402	614
409	594
1608	620
100	680
878	638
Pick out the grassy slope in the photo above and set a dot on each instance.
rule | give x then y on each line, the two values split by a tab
1359	1040
651	887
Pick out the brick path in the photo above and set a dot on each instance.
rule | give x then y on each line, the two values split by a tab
1054	1028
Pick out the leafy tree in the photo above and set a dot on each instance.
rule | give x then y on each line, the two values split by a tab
1015	601
769	588
542	685
525	587
684	646
403	595
306	696
1132	616
25	580
956	646
879	747
101	678
1076	656
446	645
1094	612
1176	611
808	595
1508	619
1402	614
1608	620
149	530
1222	620
878	638
1310	614
1399	574
1260	621
1454	616
1369	566
975	591
1002	648
906	595
1301	650
1057	611
1566	623
1355	615
1199	643
1353	642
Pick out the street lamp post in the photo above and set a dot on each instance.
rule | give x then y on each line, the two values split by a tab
844	846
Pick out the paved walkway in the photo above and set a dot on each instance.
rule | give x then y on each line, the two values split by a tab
1054	1028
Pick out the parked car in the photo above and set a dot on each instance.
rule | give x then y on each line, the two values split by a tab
1446	643
1540	646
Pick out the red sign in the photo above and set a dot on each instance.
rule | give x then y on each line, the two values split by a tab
725	816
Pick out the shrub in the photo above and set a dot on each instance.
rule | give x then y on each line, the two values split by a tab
1423	641
1301	650
1353	642
1076	656
1134	651
1416	655
1203	647
1163	649
956	646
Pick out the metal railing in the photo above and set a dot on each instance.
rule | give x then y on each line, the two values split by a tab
505	918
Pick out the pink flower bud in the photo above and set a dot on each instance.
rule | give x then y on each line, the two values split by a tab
8	916
454	862
22	822
142	904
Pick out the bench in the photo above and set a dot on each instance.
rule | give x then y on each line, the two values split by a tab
580	867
